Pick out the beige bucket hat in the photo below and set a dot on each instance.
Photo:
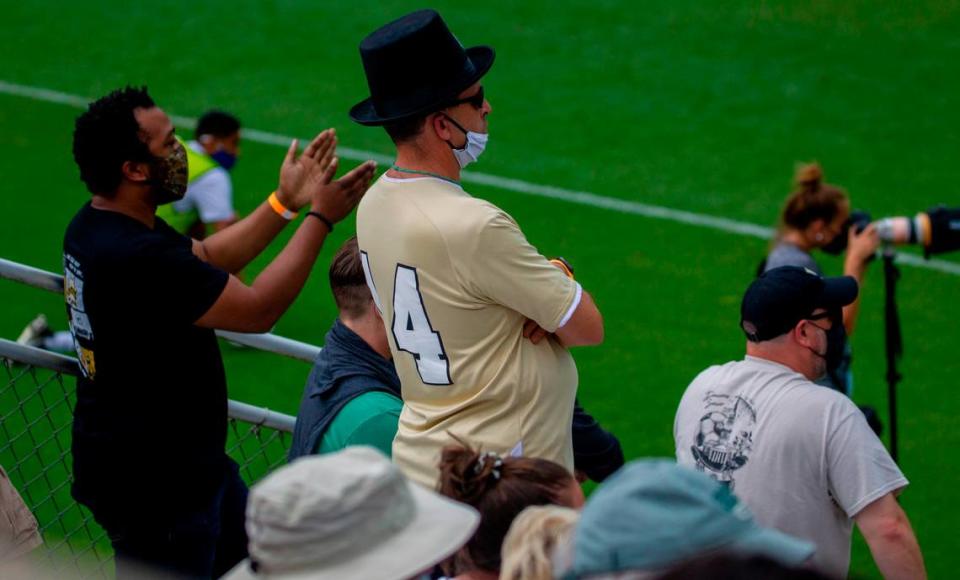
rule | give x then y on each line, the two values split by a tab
348	515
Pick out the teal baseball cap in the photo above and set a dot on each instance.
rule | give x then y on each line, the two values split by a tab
653	513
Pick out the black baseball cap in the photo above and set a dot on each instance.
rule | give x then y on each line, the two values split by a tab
780	298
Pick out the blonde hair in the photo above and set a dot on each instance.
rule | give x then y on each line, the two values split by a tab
529	548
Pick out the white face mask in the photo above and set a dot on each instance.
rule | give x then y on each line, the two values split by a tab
471	150
476	143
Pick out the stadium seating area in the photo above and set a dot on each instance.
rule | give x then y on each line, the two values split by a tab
653	147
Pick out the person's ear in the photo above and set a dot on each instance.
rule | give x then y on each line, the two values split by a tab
441	126
802	334
817	231
135	171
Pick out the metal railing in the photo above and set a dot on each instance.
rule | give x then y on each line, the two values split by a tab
36	412
51	282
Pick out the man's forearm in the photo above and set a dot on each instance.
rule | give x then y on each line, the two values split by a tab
898	556
887	530
223	224
284	277
233	247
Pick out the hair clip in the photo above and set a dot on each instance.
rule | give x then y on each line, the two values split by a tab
497	463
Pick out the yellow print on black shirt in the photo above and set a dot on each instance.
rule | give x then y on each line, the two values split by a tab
77	316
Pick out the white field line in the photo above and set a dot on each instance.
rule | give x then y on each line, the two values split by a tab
506	183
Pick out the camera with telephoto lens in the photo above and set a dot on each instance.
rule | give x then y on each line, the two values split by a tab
937	230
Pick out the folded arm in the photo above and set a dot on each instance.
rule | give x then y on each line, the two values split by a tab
585	327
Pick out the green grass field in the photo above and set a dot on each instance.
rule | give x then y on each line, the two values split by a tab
703	107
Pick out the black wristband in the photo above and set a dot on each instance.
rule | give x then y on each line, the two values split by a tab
322	218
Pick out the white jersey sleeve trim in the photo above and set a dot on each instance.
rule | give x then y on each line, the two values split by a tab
573	307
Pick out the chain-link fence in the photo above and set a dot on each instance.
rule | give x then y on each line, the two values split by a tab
36	410
35	416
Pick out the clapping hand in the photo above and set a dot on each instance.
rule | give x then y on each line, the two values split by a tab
298	174
335	200
308	179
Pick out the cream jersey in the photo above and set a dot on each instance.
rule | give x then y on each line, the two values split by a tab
455	280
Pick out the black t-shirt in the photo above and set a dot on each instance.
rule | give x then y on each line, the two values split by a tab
151	417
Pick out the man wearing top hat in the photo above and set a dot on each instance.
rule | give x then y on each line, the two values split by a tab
478	321
800	456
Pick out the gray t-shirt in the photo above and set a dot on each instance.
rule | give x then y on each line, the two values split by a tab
800	456
787	254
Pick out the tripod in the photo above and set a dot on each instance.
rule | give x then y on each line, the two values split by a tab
893	340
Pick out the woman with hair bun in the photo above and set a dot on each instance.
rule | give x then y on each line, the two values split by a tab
815	217
499	488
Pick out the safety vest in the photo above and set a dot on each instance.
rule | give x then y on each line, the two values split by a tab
198	164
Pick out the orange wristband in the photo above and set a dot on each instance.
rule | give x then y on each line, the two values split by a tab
281	209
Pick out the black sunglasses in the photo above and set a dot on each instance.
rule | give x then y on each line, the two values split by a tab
476	99
831	315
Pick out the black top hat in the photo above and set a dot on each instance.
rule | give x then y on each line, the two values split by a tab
415	65
780	298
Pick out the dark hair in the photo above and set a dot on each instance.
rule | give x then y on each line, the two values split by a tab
218	124
726	566
107	135
499	488
347	281
813	199
405	129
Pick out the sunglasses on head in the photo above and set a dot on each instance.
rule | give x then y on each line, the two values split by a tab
476	100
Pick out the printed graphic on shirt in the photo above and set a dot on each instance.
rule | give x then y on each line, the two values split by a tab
77	317
725	436
80	324
87	364
72	287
